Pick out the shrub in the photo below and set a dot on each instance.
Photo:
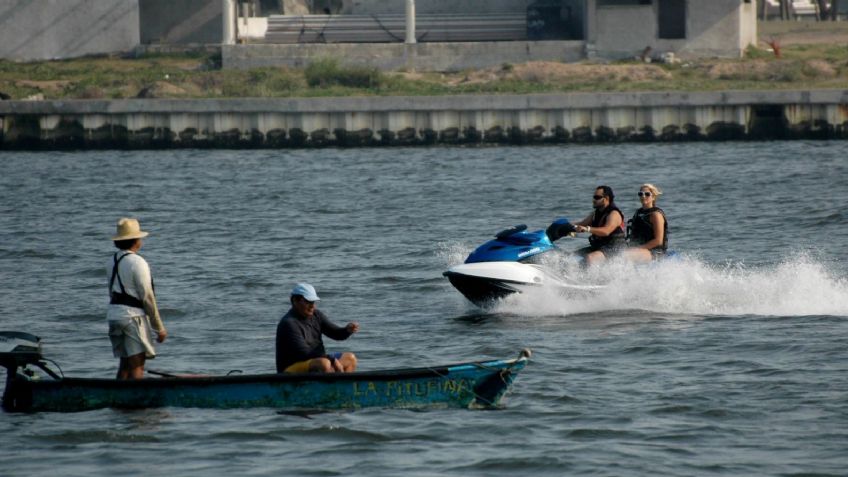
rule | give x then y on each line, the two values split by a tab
327	72
786	72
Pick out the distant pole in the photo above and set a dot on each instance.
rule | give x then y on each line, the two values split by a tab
229	14
410	22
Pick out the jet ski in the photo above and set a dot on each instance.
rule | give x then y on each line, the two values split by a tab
509	264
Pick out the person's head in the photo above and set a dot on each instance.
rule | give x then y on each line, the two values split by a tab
129	234
648	194
603	198
303	299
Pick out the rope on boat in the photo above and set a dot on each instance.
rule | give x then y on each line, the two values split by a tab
41	364
502	373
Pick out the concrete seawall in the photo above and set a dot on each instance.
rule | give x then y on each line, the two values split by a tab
389	121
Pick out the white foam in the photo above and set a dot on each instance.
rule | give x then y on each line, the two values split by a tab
793	286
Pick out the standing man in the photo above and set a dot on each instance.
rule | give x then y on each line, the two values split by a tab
605	226
132	305
300	348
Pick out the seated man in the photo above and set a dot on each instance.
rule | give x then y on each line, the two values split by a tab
300	348
605	226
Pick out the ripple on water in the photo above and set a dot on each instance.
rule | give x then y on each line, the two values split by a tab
729	361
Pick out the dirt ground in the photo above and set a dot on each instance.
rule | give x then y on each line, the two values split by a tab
785	33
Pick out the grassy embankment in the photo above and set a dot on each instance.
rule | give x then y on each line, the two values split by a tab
801	66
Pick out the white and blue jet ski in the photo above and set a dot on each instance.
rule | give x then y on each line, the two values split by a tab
509	264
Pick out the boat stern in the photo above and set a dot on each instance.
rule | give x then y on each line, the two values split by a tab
17	351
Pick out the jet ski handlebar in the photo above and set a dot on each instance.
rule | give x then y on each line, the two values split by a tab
560	228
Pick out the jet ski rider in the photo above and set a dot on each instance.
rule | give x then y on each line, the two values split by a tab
647	231
605	226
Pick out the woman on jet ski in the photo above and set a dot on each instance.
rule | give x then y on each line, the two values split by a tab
647	231
605	226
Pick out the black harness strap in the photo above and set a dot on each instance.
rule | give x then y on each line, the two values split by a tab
122	297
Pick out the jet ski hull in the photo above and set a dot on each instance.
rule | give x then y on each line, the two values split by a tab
482	283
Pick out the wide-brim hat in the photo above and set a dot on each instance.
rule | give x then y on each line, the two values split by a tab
129	229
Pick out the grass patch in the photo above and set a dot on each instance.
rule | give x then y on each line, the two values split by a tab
327	72
198	76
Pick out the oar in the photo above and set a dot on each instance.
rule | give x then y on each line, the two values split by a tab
172	375
162	374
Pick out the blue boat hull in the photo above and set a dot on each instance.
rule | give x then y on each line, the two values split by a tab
466	385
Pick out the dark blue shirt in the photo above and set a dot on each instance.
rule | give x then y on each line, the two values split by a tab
299	339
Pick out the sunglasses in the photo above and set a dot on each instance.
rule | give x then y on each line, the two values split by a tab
644	194
598	197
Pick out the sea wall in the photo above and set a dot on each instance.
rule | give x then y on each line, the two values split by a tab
389	121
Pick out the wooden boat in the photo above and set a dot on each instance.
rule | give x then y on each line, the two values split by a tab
466	385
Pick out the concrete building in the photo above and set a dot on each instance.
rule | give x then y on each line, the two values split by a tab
55	29
32	30
621	28
553	30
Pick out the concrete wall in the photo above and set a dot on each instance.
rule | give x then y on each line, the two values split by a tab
48	29
398	56
721	28
180	22
375	121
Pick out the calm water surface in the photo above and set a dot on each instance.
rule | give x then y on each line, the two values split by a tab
731	361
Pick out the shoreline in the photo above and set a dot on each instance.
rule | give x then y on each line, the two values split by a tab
423	120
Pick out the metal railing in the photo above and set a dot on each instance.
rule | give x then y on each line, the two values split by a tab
391	28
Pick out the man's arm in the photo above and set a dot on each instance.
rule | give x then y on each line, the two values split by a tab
148	298
338	333
585	221
612	223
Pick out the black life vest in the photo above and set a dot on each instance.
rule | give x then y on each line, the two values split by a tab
598	219
640	230
121	297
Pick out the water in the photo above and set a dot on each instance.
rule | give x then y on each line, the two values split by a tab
731	361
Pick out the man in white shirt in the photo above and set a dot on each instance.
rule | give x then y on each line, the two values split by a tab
132	304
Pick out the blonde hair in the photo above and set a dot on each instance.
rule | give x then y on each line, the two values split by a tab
654	190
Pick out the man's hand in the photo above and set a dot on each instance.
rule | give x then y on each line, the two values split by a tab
352	327
161	335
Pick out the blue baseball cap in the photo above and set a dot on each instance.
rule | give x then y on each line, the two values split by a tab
305	290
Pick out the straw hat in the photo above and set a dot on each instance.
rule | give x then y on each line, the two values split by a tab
129	229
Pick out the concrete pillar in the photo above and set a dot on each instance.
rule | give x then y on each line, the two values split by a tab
410	22
229	15
591	27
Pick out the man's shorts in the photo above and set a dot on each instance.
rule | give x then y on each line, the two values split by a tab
131	337
303	366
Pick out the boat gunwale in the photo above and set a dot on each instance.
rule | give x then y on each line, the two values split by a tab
375	375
